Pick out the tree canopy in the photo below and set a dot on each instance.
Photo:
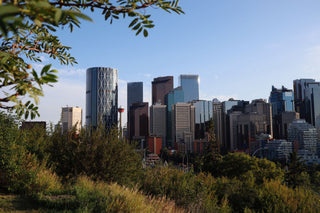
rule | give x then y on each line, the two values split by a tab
27	30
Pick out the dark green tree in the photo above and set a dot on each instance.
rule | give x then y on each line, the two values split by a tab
296	174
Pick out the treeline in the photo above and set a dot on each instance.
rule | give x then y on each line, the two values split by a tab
98	172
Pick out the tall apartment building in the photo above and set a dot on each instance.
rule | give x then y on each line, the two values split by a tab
183	125
139	121
282	100
175	95
304	133
158	122
190	86
102	96
161	86
71	117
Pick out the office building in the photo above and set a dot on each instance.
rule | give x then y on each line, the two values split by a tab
190	87
158	122
278	150
71	117
282	100
303	133
173	97
134	93
139	121
183	125
312	103
102	97
217	120
203	114
161	86
299	87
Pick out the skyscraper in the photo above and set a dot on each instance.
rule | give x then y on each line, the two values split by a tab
281	100
139	121
175	95
312	100
190	86
102	96
299	87
158	122
160	87
71	117
203	114
134	93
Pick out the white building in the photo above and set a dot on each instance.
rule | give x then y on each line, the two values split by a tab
71	117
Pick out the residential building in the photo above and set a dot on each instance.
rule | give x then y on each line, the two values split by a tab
71	117
190	87
158	122
102	97
161	86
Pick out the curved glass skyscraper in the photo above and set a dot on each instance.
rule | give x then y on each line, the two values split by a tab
102	96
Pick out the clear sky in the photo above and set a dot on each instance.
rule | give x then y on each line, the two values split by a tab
239	48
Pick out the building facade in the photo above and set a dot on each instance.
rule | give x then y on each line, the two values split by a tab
134	95
102	96
139	121
158	122
203	114
183	125
71	117
299	87
161	86
190	86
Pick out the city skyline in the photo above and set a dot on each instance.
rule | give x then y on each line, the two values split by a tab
239	50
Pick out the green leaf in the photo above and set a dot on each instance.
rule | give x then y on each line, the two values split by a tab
45	69
145	33
57	15
133	22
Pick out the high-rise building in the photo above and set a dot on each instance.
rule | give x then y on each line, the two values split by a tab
312	103
203	114
282	100
71	117
158	122
139	121
190	86
102	96
303	133
175	95
161	86
183	125
217	119
134	93
299	87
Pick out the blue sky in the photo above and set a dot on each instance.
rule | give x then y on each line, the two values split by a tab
239	48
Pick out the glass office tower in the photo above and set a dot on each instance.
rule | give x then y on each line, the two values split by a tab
135	93
190	86
102	96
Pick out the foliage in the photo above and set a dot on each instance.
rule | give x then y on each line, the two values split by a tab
296	175
27	32
94	153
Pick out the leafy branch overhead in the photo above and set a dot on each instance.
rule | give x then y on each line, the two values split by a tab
27	32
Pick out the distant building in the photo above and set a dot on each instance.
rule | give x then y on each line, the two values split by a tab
303	133
154	144
174	96
312	103
102	96
33	124
134	95
190	87
160	88
183	125
281	100
158	122
299	87
203	114
278	149
286	119
139	121
71	117
217	119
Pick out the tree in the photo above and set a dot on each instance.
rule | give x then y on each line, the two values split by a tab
296	175
27	31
